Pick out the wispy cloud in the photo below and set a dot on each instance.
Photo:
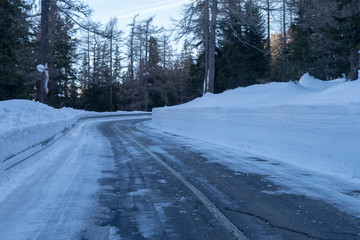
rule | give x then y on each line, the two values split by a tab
147	8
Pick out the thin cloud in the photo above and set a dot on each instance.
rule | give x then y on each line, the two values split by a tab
148	8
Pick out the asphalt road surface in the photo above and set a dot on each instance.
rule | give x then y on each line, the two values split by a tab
119	180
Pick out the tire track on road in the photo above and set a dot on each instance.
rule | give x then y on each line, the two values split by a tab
210	206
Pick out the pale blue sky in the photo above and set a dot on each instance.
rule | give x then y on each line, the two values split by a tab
125	10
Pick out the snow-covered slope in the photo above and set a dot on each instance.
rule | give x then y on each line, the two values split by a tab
25	123
30	125
312	123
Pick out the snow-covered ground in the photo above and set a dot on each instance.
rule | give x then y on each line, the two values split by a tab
50	195
28	125
279	130
311	124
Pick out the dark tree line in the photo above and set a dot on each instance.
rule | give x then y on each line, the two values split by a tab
136	72
225	44
321	37
15	47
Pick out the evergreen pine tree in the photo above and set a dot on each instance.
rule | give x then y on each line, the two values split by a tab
349	33
156	78
62	56
14	45
241	55
254	39
310	48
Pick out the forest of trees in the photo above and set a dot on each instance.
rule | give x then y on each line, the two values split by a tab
225	44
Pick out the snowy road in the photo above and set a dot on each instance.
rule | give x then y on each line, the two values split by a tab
123	180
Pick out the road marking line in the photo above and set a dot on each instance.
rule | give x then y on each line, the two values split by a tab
212	208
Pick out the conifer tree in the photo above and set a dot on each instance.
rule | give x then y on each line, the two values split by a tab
62	90
311	49
242	57
14	50
254	41
156	76
67	9
349	31
201	21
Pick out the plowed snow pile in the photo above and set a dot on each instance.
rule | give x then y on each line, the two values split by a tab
312	123
24	123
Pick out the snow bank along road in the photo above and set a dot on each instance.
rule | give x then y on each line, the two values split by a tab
121	179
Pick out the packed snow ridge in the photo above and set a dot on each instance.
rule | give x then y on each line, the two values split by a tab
25	124
311	123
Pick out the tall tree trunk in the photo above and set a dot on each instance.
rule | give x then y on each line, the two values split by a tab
44	26
212	43
146	93
268	39
268	24
284	23
94	61
132	74
88	58
354	58
354	64
141	63
164	51
146	62
206	44
291	7
111	69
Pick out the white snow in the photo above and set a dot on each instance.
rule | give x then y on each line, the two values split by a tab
311	124
60	186
52	194
25	124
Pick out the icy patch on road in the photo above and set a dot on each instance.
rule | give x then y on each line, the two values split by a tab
339	192
162	181
113	234
147	226
139	192
59	185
